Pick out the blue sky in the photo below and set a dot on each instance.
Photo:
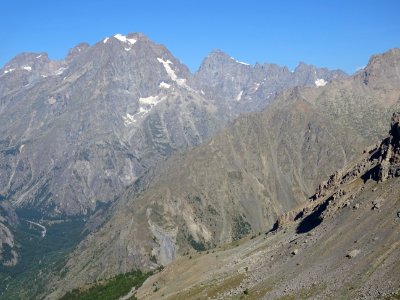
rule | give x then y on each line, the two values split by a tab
334	34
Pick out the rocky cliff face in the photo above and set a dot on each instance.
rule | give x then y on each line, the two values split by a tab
389	155
237	183
8	221
239	87
78	132
379	163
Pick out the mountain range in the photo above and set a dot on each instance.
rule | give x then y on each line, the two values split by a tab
155	161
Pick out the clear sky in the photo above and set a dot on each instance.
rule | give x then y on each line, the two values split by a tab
334	33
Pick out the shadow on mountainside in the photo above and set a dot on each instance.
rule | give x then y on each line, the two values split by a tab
312	220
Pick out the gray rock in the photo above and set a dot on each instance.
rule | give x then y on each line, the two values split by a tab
353	253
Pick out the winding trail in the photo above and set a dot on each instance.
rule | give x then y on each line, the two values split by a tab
44	230
129	295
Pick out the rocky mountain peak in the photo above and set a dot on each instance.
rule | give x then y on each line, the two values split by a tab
77	50
26	61
382	70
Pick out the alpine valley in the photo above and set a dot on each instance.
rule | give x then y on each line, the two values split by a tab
118	159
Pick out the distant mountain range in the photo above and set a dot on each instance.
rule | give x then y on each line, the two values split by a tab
79	131
157	160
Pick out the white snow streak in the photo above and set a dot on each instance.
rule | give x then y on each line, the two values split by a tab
106	40
60	71
152	100
171	73
27	68
145	106
320	82
9	70
39	56
239	96
240	62
164	85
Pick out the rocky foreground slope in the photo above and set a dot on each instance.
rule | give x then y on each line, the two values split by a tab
243	179
341	244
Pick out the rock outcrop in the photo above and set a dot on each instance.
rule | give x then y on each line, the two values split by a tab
380	163
8	222
389	152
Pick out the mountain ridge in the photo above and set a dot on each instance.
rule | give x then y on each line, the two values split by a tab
238	182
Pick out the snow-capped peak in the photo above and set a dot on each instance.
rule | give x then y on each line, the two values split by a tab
124	39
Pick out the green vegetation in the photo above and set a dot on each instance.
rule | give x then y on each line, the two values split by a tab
39	257
113	288
7	255
199	246
212	210
240	228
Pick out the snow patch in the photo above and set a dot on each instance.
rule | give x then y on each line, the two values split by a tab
171	73
239	96
240	62
124	39
320	82
129	119
152	100
8	71
60	71
106	40
39	56
164	85
27	68
51	100
145	106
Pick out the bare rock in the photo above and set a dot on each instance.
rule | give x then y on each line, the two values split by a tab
353	253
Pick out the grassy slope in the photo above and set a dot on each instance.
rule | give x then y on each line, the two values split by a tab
113	288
